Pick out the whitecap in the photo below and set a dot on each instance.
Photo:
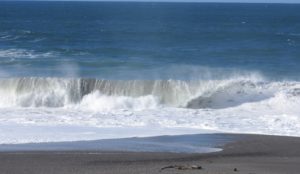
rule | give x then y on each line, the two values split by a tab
23	53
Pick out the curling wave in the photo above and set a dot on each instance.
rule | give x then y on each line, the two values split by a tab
96	94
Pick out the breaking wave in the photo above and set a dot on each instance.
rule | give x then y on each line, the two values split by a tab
99	95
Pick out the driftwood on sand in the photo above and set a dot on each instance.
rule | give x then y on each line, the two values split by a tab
182	167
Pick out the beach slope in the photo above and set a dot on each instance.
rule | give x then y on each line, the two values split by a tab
250	154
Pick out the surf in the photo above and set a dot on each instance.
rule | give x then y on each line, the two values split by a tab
194	94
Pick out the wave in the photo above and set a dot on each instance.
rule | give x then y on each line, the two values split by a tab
23	53
289	34
21	36
237	104
99	95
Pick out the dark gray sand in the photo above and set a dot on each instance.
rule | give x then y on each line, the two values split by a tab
249	154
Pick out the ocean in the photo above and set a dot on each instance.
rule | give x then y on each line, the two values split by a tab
96	70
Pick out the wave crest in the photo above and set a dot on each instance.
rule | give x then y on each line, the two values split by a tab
23	53
96	94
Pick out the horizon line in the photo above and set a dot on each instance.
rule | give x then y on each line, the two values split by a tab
158	1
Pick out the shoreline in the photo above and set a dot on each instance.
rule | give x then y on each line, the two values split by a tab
248	154
186	143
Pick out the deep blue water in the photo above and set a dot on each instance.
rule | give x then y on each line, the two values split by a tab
122	40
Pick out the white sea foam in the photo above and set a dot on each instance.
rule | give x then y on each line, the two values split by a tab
239	104
23	53
8	37
98	102
61	92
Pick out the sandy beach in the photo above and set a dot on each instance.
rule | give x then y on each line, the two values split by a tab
249	154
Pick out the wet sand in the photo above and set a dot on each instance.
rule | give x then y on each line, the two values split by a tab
248	154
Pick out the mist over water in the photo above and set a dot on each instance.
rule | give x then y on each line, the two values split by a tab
216	67
64	92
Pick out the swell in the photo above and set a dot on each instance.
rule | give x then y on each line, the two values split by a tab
142	94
